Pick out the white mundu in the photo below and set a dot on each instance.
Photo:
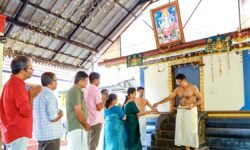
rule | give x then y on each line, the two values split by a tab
143	129
77	140
186	130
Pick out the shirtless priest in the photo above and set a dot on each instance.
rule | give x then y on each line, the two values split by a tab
186	133
141	103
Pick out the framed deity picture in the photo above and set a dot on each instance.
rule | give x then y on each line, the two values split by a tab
134	60
167	25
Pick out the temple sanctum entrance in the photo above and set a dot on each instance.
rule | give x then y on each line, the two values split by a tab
193	70
192	73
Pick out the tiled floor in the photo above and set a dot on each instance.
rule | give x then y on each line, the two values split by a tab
33	144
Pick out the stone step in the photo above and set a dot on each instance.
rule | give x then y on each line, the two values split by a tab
228	142
172	119
169	118
169	143
229	120
225	148
163	148
163	135
167	126
228	132
167	134
180	148
228	123
166	143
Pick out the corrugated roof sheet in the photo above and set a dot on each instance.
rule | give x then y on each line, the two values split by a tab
65	31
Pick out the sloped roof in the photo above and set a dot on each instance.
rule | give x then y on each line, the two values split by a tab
72	33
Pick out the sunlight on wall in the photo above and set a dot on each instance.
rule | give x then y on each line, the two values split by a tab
212	17
156	86
226	92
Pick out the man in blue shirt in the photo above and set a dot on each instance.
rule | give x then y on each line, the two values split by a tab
47	125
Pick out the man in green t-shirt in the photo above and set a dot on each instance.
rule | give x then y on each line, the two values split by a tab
77	114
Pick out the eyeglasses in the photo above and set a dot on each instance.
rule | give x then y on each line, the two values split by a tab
30	68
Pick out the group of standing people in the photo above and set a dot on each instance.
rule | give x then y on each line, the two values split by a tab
85	112
32	108
123	128
27	109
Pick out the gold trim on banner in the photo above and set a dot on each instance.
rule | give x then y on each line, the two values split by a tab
170	87
178	52
186	51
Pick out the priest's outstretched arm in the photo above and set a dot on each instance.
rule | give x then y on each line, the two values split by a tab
151	107
169	98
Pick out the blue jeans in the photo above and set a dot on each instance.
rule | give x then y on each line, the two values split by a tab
18	144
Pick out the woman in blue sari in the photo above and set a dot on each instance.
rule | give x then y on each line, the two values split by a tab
113	128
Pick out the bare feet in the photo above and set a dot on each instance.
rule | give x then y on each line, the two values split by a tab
187	148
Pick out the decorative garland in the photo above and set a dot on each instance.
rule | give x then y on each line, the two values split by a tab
8	53
188	53
163	68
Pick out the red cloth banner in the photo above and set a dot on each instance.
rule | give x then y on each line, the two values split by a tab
2	22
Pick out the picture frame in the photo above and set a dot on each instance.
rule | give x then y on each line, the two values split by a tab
167	25
134	60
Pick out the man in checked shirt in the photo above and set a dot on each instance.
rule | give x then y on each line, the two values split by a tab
47	123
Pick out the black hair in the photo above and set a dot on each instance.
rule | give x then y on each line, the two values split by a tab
140	88
94	76
103	91
129	92
80	75
180	77
47	78
110	99
19	63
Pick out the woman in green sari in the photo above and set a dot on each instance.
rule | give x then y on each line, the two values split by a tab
132	130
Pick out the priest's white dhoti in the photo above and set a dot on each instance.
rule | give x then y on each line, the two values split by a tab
186	129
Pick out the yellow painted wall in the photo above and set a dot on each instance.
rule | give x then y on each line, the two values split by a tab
226	92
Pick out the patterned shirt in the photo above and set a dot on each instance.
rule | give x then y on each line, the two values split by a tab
45	111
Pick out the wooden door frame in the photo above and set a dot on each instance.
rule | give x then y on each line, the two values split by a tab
171	80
